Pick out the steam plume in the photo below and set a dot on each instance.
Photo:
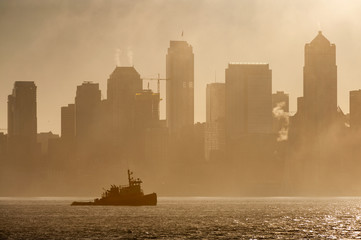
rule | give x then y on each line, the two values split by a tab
117	57
130	56
283	118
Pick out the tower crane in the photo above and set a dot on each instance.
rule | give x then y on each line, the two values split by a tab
158	79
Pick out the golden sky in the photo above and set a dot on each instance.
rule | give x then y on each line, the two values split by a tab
60	44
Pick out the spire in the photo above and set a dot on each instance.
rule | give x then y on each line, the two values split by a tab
320	40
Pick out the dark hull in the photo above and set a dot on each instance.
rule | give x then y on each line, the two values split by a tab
149	199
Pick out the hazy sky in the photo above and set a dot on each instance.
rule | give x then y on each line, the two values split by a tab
60	44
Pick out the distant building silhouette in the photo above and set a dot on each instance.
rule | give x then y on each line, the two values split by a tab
87	101
3	145
320	83
123	84
180	87
151	135
355	109
68	122
215	120
22	120
248	99
146	110
317	109
44	138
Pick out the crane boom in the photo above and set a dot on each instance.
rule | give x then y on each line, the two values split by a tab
158	79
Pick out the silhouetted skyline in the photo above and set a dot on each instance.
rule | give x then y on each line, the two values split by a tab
79	42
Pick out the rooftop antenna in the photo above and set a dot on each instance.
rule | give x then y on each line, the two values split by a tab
182	33
215	76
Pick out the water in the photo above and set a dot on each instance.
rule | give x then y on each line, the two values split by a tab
183	218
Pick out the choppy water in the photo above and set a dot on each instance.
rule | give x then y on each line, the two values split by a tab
183	218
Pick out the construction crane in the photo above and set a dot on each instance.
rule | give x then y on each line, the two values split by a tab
158	81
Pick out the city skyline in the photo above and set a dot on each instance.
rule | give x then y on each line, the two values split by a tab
55	73
240	119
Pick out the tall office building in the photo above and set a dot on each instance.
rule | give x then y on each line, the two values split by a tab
215	119
68	122
355	109
320	82
180	86
146	110
248	99
123	84
87	101
3	145
22	121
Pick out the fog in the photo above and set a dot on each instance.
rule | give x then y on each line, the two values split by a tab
63	46
60	44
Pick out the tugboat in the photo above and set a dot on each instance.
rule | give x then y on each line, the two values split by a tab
128	195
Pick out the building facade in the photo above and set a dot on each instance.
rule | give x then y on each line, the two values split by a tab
22	118
320	83
180	86
123	84
146	110
87	101
68	122
355	109
215	120
248	99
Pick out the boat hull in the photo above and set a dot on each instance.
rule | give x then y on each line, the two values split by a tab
145	200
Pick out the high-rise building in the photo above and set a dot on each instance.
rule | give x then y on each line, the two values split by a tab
248	99
123	84
44	138
150	136
146	110
3	144
68	122
320	83
87	101
355	109
215	119
180	86
22	121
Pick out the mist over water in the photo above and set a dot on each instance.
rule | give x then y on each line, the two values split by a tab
183	218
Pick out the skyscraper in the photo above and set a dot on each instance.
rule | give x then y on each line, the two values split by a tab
123	84
355	109
180	87
22	121
215	119
146	110
320	82
68	122
87	101
248	99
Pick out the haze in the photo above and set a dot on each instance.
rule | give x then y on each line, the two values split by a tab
60	44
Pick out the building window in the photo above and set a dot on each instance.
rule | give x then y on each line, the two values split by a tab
184	84
190	84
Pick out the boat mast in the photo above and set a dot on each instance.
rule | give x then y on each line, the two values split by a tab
129	176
